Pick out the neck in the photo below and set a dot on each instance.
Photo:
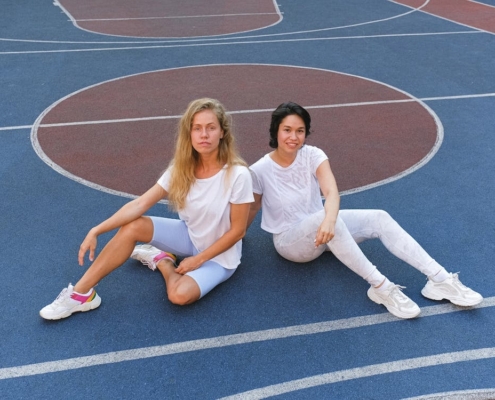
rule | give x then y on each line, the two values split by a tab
207	166
283	159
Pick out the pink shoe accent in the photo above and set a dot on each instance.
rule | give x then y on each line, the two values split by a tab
164	255
83	298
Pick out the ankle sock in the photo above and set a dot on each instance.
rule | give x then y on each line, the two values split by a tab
440	276
384	286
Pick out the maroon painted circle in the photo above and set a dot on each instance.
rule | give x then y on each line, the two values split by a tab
171	19
365	143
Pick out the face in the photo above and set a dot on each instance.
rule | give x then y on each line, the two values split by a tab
291	134
206	132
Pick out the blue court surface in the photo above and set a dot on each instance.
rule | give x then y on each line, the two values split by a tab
276	329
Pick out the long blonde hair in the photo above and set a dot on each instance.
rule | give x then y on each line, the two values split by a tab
186	158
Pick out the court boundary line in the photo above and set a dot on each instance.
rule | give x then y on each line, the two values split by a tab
226	36
467	394
74	22
203	38
174	17
183	45
225	341
365	372
420	9
484	4
162	117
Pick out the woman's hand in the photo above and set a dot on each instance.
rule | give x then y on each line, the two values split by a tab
89	243
325	233
188	264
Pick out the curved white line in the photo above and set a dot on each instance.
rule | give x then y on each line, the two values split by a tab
224	341
74	22
200	38
415	167
483	4
446	19
476	394
364	372
183	45
37	147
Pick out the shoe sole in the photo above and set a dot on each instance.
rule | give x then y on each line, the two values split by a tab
394	311
95	303
454	300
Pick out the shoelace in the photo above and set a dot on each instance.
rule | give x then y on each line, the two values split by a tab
61	297
396	292
456	281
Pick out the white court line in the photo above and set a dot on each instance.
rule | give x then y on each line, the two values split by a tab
176	17
224	341
483	4
475	394
233	37
164	117
366	371
204	38
74	22
183	45
446	19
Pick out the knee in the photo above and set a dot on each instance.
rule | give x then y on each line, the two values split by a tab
381	214
139	229
181	295
384	222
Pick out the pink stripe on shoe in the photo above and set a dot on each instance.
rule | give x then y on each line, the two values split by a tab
164	255
83	298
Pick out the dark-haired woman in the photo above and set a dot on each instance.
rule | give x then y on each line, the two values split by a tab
287	184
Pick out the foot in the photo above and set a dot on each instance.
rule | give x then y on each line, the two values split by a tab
453	290
68	302
150	255
396	302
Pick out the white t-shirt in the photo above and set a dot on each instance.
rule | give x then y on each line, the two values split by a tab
207	210
289	194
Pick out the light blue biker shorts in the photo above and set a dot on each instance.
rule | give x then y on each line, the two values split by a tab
171	235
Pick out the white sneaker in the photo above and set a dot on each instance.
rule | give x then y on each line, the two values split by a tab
68	302
150	255
397	303
451	289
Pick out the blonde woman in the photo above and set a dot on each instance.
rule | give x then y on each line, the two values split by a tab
210	187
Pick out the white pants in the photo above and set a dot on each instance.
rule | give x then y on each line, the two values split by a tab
353	227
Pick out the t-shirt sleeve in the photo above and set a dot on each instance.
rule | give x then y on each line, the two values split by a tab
257	187
317	157
242	188
164	180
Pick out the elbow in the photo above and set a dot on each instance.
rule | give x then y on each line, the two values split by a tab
241	234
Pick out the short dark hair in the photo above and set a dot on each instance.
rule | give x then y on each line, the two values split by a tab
282	111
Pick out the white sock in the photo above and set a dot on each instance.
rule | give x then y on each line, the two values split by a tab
384	286
84	294
440	276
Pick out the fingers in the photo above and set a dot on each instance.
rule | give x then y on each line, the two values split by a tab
323	238
186	265
84	249
80	257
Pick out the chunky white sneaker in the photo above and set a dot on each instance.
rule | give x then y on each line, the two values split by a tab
397	303
150	255
68	302
452	289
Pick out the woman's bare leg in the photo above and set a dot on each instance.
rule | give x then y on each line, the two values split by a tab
116	252
181	289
